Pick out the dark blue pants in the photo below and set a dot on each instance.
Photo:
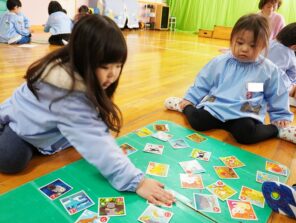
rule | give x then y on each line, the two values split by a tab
24	39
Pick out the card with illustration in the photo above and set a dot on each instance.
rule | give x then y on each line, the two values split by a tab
241	210
111	206
76	202
192	166
161	127
178	143
232	161
55	189
196	138
276	168
157	169
91	217
143	132
156	215
191	181
254	196
221	190
163	136
201	154
153	148
206	203
128	149
225	172
262	177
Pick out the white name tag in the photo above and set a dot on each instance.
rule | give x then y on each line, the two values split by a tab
255	87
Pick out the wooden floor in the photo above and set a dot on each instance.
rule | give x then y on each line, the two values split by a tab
160	64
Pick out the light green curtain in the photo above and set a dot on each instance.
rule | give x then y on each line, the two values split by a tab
193	15
2	6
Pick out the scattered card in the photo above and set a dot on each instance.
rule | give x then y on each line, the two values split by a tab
276	168
201	154
191	181
128	149
55	189
196	138
254	196
241	210
232	162
206	203
155	214
91	217
225	172
76	202
261	177
143	132
161	127
157	169
111	206
221	190
178	144
153	148
192	166
163	136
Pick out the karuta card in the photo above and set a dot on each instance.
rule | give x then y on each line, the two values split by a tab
91	217
55	189
163	136
206	203
192	166
196	138
191	181
155	214
161	127
143	132
157	169
128	149
200	154
153	148
254	196
76	202
262	177
241	210
178	143
111	206
232	162
221	190
225	172
276	168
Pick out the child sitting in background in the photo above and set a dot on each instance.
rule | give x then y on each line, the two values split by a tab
14	26
234	90
67	100
58	24
82	11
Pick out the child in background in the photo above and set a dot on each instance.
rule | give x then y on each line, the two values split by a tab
67	100
58	24
234	90
82	11
282	53
14	26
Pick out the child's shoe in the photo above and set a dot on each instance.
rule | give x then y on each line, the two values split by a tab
172	103
280	198
288	134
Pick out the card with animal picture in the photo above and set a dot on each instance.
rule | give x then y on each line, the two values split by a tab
153	148
111	206
127	149
196	138
143	132
241	210
157	169
232	161
276	168
221	190
206	203
91	217
191	181
55	189
155	214
201	154
262	177
163	136
76	202
254	196
161	127
225	172
178	143
192	166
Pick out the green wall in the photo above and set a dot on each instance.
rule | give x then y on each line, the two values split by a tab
2	6
205	14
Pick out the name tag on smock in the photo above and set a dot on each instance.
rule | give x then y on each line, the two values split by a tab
255	87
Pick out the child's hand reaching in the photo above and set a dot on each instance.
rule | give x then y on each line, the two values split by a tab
154	192
281	123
